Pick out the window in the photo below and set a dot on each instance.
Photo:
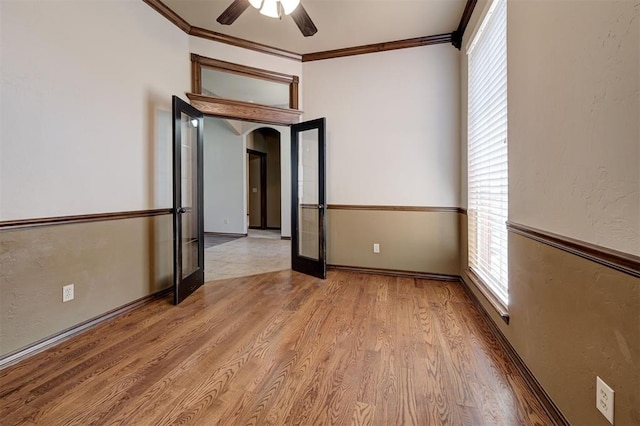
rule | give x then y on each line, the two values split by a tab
487	155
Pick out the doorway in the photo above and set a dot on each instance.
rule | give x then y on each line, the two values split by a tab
302	211
239	244
256	189
264	179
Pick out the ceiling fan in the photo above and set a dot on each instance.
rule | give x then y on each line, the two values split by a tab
274	9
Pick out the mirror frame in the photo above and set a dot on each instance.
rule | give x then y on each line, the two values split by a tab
198	62
241	110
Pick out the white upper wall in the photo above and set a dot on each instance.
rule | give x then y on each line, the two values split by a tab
85	124
392	125
84	86
574	119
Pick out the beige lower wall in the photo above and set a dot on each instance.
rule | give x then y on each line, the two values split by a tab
409	240
572	320
111	263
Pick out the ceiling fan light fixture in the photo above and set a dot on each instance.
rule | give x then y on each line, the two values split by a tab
289	5
270	8
275	8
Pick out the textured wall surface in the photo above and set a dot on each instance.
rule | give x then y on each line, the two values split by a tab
409	241
572	320
110	263
574	119
85	105
392	139
392	126
574	170
86	128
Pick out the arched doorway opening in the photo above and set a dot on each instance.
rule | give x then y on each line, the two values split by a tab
264	183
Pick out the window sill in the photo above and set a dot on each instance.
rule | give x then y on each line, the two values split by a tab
488	294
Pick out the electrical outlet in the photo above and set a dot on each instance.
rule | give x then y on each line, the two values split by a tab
67	293
604	399
376	248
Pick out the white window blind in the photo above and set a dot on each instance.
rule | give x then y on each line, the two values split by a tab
487	152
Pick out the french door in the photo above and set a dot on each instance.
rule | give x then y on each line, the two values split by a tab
188	213
308	200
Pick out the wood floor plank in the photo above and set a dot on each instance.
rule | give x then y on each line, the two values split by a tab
31	372
280	348
301	338
437	386
452	338
206	389
192	405
166	352
363	414
302	398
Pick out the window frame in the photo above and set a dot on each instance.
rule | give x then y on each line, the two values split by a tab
492	296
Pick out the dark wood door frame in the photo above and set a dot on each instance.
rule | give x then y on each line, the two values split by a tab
263	188
185	285
316	267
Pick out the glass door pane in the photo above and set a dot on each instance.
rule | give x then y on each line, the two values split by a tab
308	202
190	238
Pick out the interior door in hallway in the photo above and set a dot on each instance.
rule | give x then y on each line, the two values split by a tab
188	212
308	204
257	189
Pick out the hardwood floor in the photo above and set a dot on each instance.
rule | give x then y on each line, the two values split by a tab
280	349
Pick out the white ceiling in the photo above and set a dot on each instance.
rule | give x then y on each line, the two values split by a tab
341	23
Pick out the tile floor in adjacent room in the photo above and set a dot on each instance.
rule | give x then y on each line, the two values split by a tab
261	251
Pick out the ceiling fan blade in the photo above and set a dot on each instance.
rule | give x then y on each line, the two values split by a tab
303	21
232	13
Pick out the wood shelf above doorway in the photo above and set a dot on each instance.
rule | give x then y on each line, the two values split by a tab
239	110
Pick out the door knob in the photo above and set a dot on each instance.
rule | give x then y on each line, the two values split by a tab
182	210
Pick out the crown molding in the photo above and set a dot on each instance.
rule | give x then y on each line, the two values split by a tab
181	23
379	47
168	13
464	21
240	42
